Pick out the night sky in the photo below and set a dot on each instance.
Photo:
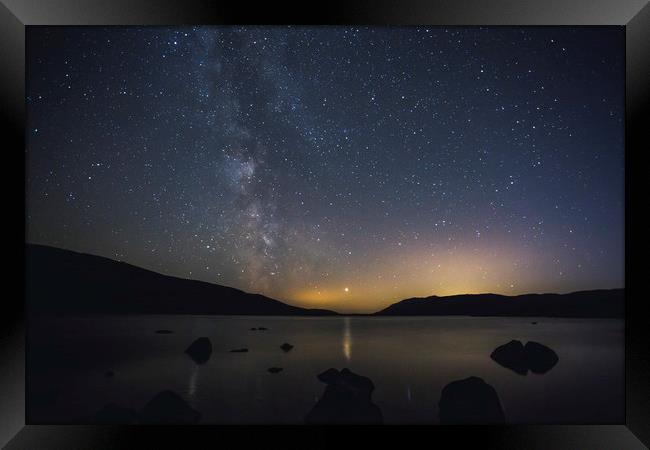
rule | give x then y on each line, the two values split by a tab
343	168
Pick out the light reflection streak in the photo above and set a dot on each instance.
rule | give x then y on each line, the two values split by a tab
347	339
193	381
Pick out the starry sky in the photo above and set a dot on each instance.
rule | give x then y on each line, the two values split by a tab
334	167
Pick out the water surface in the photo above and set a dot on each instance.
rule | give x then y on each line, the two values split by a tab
409	359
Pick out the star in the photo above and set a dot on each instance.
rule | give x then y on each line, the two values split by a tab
262	157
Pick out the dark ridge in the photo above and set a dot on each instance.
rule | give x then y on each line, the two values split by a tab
62	282
604	303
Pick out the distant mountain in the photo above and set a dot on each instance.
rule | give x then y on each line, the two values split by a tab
597	303
64	282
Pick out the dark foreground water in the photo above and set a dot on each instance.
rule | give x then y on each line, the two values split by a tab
409	360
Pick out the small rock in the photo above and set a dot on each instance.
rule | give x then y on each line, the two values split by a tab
239	350
109	374
200	350
164	331
275	369
286	347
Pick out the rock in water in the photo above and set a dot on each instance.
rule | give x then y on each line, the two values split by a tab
275	369
164	331
521	358
511	355
346	400
109	374
168	408
200	350
286	347
539	357
116	415
239	350
470	401
330	376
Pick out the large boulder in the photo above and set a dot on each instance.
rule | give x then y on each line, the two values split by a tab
540	358
521	358
346	400
511	355
330	376
470	401
168	408
200	350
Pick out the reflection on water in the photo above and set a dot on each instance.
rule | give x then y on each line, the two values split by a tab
347	339
191	389
409	360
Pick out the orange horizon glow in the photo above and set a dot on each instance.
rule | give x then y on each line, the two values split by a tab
424	273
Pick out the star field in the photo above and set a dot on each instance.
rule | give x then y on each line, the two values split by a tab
336	167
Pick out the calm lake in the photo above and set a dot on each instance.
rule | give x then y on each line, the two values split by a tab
409	359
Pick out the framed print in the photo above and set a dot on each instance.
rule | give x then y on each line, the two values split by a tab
280	228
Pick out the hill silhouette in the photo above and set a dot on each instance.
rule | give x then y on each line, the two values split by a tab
63	282
603	303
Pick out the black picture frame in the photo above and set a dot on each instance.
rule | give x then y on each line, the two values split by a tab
15	15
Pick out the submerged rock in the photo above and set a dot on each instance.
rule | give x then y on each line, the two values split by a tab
168	408
346	400
286	347
239	350
275	369
112	413
200	350
470	401
521	358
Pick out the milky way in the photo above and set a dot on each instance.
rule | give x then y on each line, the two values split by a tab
333	167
